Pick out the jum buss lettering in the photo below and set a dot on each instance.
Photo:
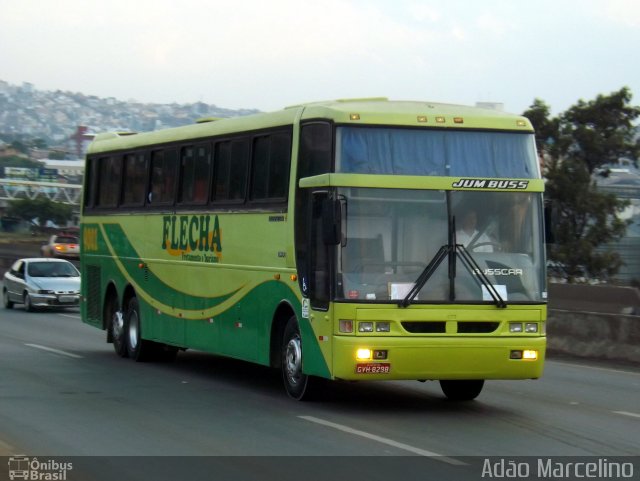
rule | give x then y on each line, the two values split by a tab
490	184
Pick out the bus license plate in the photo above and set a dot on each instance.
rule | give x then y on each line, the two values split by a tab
373	368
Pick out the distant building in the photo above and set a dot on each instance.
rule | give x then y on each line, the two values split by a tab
72	170
81	140
624	183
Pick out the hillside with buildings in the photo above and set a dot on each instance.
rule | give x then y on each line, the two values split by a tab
66	120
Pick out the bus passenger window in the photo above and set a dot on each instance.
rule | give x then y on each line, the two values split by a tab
270	168
196	162
109	185
230	171
164	169
135	179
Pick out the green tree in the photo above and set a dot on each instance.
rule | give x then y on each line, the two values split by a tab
20	146
586	137
57	155
15	161
539	113
601	132
39	144
39	211
583	219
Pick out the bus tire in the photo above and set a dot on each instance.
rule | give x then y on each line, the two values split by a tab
297	384
462	390
117	333
138	349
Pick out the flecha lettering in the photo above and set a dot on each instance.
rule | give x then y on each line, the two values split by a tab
182	234
204	233
184	220
216	242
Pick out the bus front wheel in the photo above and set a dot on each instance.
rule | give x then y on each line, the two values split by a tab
462	390
296	383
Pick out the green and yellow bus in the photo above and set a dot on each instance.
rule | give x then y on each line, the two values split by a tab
355	239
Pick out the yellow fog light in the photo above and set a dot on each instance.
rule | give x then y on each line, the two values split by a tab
364	354
530	355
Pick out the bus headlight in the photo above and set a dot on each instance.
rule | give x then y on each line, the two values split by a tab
515	327
365	327
531	327
383	327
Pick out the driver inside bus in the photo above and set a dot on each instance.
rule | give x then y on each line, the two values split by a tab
469	236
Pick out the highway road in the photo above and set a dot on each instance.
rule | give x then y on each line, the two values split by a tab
63	392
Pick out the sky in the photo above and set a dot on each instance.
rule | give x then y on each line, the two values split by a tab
268	54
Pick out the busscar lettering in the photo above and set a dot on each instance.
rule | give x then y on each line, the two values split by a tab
188	235
499	272
490	184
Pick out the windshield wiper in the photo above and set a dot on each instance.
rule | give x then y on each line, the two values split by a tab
469	263
473	268
426	274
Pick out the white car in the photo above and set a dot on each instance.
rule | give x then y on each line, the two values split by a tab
67	246
41	282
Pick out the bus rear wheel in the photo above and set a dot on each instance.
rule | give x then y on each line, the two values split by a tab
117	334
462	390
138	348
297	384
135	346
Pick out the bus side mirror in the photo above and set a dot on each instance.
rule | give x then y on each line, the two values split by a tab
549	226
331	221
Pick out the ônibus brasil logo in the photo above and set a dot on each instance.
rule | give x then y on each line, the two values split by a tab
24	467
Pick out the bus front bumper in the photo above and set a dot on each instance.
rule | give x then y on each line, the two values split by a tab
431	358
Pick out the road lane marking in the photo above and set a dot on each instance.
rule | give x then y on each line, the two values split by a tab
55	351
69	315
595	368
625	413
387	441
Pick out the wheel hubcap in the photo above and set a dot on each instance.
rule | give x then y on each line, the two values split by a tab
118	325
293	361
133	330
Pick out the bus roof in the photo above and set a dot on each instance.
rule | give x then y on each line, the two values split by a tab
370	111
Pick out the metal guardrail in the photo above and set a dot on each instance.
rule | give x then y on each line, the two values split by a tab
11	189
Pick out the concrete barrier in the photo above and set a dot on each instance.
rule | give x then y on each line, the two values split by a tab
594	335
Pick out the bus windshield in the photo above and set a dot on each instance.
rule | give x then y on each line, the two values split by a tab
438	152
390	236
